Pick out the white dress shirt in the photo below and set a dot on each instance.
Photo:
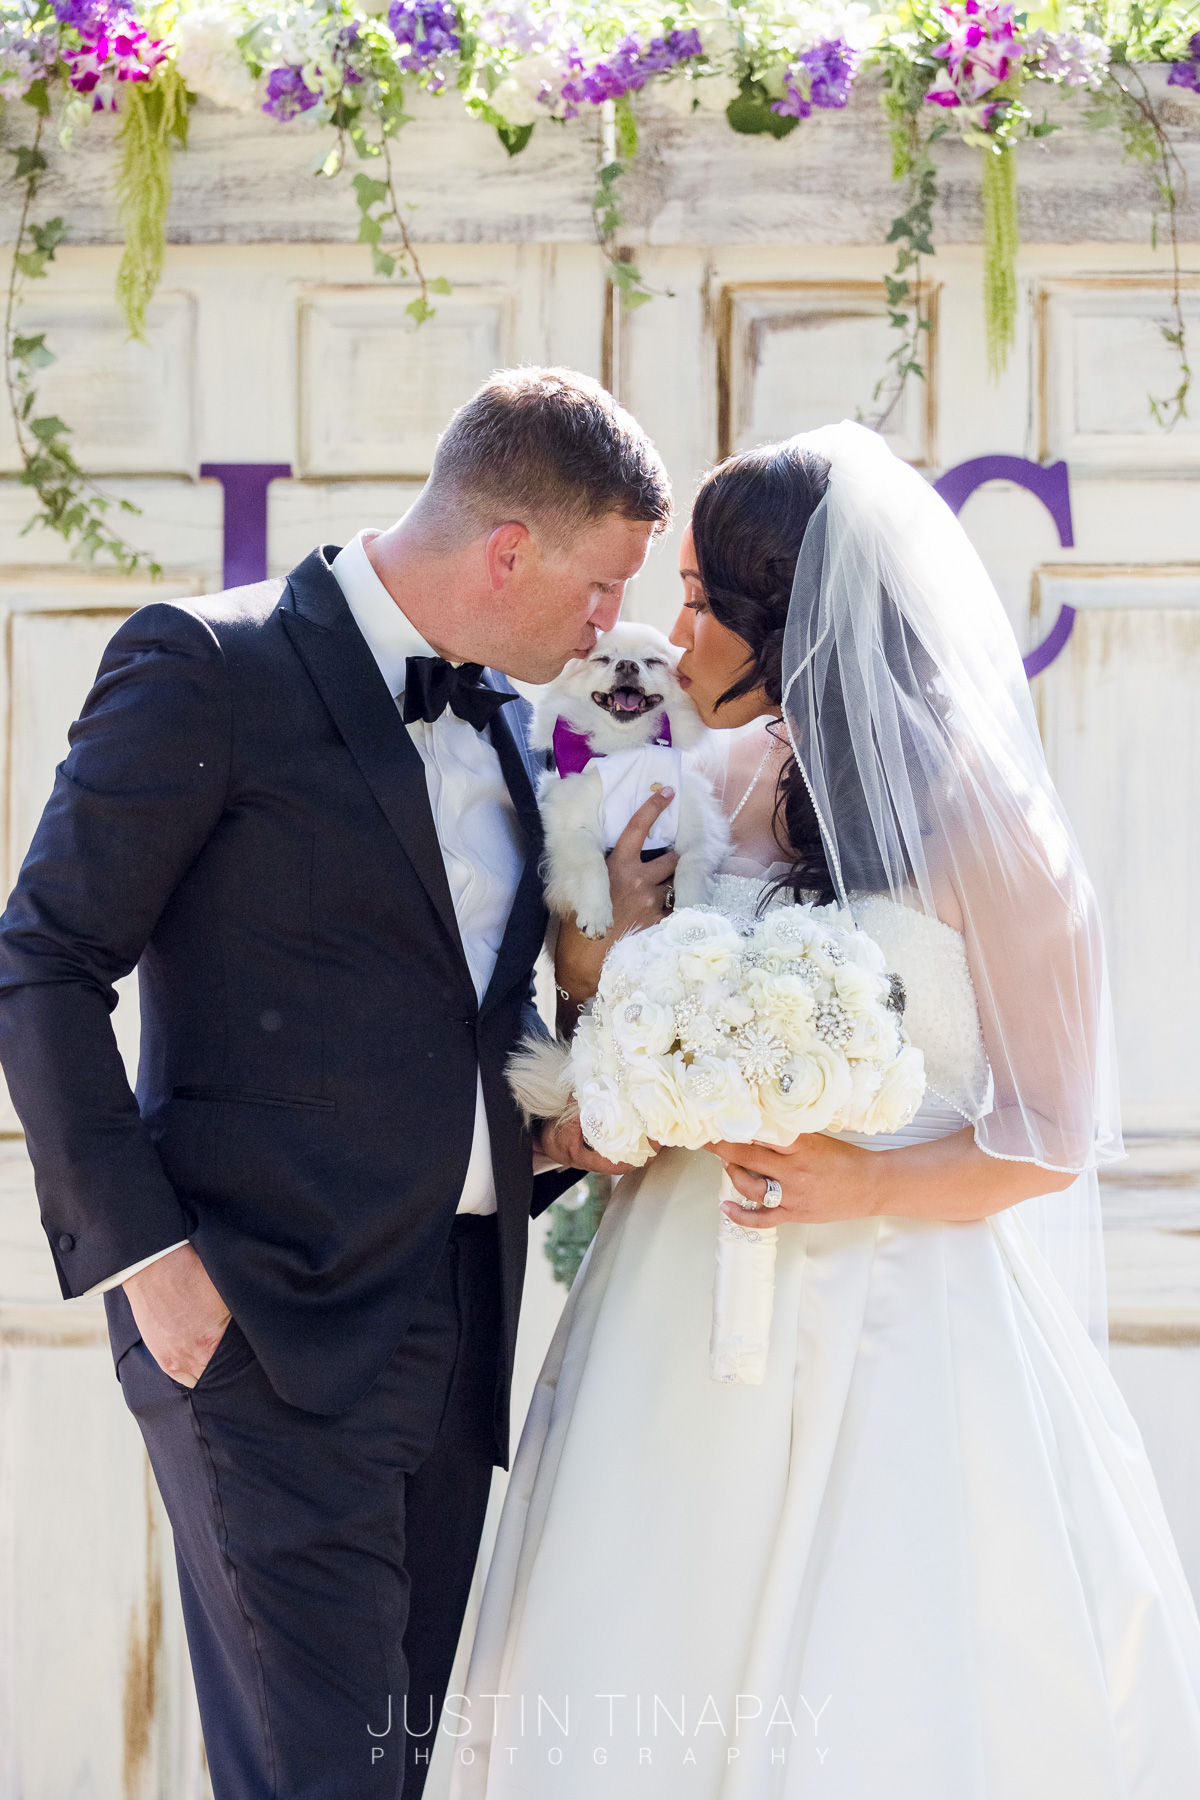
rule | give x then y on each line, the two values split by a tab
482	844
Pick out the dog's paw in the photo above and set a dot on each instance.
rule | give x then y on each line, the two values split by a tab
594	921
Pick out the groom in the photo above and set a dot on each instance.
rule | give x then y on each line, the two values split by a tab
305	810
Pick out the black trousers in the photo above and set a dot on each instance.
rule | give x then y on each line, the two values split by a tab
325	1563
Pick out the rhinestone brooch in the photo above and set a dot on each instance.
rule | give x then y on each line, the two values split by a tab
704	1084
833	952
760	1055
897	998
633	1013
791	931
833	1024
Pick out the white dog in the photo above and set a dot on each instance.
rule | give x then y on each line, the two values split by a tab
618	722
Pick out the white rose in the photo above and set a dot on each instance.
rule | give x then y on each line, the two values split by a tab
785	1002
641	1027
900	1094
789	931
866	1079
819	1084
610	1124
657	1089
593	1052
725	1100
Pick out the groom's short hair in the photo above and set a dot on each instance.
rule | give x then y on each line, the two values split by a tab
550	448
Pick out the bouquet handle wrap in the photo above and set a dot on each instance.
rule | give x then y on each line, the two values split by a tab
743	1299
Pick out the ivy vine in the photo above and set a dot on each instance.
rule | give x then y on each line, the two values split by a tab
69	502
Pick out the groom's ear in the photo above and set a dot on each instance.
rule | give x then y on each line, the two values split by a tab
507	547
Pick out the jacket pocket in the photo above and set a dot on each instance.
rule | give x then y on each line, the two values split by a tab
253	1098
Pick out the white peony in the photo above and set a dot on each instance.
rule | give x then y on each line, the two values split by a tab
209	60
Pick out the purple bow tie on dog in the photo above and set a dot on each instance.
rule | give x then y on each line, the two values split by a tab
573	753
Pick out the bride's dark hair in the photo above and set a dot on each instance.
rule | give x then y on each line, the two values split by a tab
748	523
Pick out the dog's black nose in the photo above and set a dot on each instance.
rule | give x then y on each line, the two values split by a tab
628	670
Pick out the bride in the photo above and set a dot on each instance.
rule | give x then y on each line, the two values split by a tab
925	1559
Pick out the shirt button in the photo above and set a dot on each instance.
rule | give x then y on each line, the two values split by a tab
66	1241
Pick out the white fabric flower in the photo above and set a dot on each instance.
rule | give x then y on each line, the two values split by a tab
610	1124
810	1094
641	1027
728	1103
900	1093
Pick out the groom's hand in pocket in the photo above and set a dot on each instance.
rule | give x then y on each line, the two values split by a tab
179	1313
562	1141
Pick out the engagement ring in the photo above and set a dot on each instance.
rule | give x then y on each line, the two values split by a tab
773	1195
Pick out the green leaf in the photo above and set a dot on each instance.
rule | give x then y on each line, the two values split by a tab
382	263
370	230
369	192
419	309
751	113
439	285
31	263
33	352
49	236
514	137
37	95
29	161
48	428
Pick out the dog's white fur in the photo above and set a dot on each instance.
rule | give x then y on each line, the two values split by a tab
630	657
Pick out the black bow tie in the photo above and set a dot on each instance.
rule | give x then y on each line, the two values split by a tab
432	684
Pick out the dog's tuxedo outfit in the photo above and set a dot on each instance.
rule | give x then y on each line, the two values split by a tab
335	917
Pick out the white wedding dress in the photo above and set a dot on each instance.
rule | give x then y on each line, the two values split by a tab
925	1560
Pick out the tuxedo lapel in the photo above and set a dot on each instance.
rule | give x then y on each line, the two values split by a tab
526	925
345	674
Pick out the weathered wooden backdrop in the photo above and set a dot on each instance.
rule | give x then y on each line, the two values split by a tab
270	342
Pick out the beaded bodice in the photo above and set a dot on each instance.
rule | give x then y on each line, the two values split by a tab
941	1016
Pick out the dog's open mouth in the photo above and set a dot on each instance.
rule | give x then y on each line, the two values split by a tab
627	702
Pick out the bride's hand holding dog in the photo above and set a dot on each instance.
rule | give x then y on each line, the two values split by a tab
640	897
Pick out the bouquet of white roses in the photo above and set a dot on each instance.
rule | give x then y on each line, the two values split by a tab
751	1030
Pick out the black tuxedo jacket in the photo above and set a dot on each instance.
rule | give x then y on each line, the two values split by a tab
244	817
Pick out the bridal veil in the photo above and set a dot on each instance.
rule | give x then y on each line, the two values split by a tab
911	720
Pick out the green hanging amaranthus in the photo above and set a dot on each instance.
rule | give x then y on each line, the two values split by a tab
1001	238
152	115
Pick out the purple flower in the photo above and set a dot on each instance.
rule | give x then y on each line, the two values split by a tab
287	93
429	27
123	51
93	18
823	76
628	69
1187	74
980	52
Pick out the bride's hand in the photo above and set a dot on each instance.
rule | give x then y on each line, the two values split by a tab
639	898
822	1180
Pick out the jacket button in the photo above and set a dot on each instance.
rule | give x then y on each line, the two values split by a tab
66	1241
